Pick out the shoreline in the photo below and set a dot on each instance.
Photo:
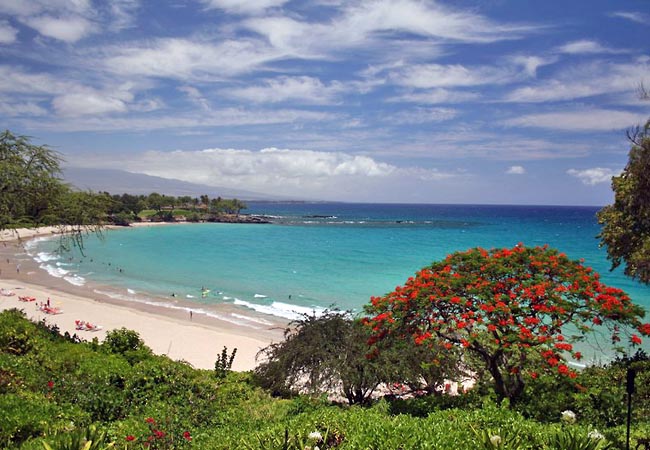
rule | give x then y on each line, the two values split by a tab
197	337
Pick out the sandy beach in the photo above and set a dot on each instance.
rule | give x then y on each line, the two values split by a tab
196	338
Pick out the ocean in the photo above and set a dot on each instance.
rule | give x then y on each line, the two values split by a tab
315	255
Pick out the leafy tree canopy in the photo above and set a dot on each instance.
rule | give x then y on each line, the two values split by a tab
510	309
626	223
329	353
32	194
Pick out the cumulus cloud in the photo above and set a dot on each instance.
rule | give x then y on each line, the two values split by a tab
7	33
582	120
267	170
516	170
303	173
593	176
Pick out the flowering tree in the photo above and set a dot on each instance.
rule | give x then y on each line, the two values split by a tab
510	308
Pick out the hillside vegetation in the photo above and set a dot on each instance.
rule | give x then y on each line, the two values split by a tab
62	392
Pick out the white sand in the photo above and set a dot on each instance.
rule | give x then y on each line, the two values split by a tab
180	340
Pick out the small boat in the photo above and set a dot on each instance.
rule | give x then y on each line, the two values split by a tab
24	298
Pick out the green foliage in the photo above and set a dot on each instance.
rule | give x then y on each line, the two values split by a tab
90	438
16	336
223	364
507	309
573	439
626	223
32	194
325	353
58	391
28	179
497	439
127	343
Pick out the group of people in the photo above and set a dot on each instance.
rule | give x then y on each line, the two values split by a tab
86	326
47	308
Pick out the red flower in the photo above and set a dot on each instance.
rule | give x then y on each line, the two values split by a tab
130	438
150	420
636	340
187	436
50	384
159	434
564	370
644	329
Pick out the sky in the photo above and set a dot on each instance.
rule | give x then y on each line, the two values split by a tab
413	101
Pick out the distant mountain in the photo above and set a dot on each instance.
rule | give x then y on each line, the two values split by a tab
121	182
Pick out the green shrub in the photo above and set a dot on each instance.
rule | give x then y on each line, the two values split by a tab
127	343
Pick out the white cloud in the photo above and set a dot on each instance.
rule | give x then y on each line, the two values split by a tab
225	117
65	20
270	167
196	97
637	17
21	109
244	6
25	8
312	174
422	115
532	63
14	80
369	24
90	103
123	14
69	29
7	33
586	46
593	176
586	80
300	89
185	59
516	170
443	76
435	96
582	120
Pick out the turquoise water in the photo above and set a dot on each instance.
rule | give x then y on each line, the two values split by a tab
317	255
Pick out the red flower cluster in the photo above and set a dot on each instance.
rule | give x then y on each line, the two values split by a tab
523	297
157	438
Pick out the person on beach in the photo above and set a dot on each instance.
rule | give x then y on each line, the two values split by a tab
190	315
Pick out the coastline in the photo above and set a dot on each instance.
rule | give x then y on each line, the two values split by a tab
197	338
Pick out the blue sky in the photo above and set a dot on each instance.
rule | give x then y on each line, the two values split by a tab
494	101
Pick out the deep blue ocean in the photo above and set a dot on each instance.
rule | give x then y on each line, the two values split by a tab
318	255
